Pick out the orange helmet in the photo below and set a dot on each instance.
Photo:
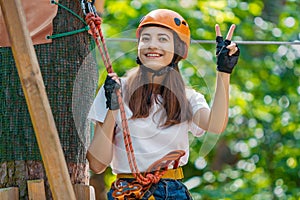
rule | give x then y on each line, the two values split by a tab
171	20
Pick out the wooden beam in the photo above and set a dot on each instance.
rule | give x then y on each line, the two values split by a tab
37	100
36	189
85	192
11	193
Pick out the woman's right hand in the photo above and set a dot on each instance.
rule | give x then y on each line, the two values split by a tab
111	84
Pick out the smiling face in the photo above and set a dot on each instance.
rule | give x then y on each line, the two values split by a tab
156	47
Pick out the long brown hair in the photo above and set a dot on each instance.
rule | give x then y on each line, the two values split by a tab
172	91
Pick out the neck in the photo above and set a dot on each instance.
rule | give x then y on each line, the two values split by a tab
155	80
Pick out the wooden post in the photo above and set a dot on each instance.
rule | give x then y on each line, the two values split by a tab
84	192
37	100
11	193
36	189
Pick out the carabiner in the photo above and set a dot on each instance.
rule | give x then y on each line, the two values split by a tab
88	7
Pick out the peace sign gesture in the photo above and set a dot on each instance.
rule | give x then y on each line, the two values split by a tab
227	51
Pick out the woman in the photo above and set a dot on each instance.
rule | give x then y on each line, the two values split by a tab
160	110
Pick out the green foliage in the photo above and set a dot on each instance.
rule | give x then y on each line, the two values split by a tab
264	126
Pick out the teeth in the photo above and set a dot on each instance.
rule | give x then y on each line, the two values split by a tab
153	55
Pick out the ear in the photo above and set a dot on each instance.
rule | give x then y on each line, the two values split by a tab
138	61
177	58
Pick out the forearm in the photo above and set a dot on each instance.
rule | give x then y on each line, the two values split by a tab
100	151
215	119
218	117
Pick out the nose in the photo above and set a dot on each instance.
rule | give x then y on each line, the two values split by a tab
152	44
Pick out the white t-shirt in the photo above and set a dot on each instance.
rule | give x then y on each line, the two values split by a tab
150	142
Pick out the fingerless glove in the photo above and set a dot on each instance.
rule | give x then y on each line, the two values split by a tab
110	87
225	63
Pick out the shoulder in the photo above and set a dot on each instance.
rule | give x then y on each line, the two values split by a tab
196	99
129	75
124	81
192	93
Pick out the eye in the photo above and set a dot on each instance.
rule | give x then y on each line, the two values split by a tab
144	38
163	39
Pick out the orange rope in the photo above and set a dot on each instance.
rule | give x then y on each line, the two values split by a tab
157	169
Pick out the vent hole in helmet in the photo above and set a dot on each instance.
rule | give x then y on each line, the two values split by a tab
177	21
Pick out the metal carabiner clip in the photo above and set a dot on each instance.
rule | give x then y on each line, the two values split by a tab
88	7
125	190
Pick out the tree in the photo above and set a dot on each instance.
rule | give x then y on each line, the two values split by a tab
64	65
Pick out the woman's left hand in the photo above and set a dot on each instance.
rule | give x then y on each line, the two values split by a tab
227	51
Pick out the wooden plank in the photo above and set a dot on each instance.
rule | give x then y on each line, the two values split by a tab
37	100
11	193
36	189
84	192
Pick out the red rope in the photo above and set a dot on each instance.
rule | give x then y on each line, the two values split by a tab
94	23
157	169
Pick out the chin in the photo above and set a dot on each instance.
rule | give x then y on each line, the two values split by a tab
153	65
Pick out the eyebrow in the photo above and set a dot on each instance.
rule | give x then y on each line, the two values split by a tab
159	34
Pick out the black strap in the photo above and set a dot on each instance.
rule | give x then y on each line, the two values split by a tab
150	192
157	72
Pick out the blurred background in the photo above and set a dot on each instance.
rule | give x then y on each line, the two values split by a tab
258	155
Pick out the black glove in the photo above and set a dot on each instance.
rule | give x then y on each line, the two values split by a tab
110	87
225	63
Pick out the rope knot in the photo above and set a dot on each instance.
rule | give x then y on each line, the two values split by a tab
152	178
90	17
93	20
98	21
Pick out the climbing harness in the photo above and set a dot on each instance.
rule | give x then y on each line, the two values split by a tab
136	190
124	189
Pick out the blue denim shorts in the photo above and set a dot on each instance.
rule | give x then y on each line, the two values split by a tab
165	189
